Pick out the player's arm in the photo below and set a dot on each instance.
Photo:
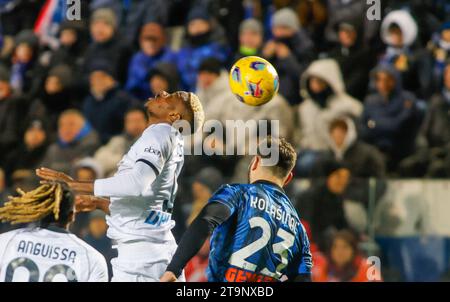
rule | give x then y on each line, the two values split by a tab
212	215
131	183
300	270
88	203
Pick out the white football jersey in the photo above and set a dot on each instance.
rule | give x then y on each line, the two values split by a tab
49	255
148	217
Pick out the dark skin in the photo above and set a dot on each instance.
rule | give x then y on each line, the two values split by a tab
163	108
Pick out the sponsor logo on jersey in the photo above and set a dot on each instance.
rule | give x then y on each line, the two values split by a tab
234	274
153	151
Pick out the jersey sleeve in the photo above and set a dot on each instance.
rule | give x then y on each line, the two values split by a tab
99	268
155	146
303	265
227	195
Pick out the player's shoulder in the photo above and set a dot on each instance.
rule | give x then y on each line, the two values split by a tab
162	133
91	252
233	187
10	234
160	129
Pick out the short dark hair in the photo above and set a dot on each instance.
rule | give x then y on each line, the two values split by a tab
211	65
286	158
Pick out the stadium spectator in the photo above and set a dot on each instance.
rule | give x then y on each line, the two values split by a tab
354	58
96	236
25	75
312	16
439	51
10	112
195	269
106	45
399	33
200	45
251	38
56	96
153	49
390	116
349	11
72	45
363	160
206	182
290	51
325	98
106	104
85	169
344	262
109	155
432	155
76	139
163	77
31	151
322	205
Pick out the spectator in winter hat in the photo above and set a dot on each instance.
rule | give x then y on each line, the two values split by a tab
290	51
199	46
72	45
399	33
56	96
106	45
324	99
391	117
106	105
354	58
153	50
251	37
24	78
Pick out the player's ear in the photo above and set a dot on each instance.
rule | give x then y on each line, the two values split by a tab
255	163
289	178
174	116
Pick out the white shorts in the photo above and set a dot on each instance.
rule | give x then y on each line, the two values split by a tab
142	261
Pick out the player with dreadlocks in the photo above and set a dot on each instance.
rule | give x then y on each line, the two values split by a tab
44	250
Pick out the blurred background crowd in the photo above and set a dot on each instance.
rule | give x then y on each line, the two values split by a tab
364	102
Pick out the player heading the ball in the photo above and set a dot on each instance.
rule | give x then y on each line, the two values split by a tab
142	192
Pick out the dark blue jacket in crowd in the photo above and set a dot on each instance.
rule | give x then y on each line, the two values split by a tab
190	58
389	124
138	69
107	115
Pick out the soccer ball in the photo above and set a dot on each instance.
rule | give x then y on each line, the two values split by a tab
253	80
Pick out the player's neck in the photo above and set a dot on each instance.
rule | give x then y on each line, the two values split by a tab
268	179
157	121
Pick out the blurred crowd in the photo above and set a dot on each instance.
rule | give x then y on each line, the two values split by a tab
359	98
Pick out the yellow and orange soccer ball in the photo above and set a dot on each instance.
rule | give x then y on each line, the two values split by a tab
253	80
